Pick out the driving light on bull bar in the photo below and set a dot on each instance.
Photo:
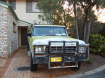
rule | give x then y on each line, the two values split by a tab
82	49
40	49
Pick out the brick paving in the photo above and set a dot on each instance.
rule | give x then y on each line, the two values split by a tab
22	60
4	62
2	66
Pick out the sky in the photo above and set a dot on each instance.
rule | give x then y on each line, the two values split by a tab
99	13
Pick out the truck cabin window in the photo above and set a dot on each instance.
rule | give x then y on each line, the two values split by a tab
49	31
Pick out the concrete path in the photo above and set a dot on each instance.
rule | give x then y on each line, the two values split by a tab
100	74
96	73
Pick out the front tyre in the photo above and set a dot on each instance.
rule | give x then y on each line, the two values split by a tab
78	66
33	67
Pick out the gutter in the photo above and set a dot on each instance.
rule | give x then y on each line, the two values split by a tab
7	5
4	4
13	12
26	22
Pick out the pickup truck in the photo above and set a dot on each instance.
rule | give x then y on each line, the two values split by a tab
51	45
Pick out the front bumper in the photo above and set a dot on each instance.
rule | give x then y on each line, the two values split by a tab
44	59
70	54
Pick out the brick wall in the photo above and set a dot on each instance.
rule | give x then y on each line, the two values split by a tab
3	32
8	39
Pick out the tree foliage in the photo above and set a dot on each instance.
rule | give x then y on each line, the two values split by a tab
83	13
54	12
88	14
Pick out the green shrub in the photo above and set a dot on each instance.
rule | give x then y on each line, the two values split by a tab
97	44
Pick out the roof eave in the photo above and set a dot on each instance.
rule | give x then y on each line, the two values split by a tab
6	5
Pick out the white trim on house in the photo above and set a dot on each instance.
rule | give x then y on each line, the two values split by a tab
23	23
4	5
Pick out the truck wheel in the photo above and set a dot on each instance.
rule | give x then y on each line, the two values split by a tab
33	67
78	67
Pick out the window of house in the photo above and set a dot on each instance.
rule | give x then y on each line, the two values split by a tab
3	0
14	27
12	3
31	6
35	7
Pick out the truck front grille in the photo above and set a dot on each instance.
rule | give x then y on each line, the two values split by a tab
63	47
70	49
56	49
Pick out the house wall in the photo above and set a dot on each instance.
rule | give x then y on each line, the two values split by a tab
12	32
28	17
3	32
8	39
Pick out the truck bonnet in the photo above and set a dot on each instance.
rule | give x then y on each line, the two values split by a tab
46	40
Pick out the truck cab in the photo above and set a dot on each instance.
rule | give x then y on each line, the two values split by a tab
51	45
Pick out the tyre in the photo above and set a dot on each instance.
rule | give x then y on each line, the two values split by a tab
78	67
28	50
33	67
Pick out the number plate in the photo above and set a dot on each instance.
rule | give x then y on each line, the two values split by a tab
56	59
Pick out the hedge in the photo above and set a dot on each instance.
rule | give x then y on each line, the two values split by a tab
97	44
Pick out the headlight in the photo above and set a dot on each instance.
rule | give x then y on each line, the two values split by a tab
82	49
40	49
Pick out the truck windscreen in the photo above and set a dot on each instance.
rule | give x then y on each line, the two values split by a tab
49	31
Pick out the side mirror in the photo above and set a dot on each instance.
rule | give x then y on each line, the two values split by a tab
29	34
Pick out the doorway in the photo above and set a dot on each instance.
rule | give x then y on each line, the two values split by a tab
22	34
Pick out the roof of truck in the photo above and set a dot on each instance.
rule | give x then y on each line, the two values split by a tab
51	25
